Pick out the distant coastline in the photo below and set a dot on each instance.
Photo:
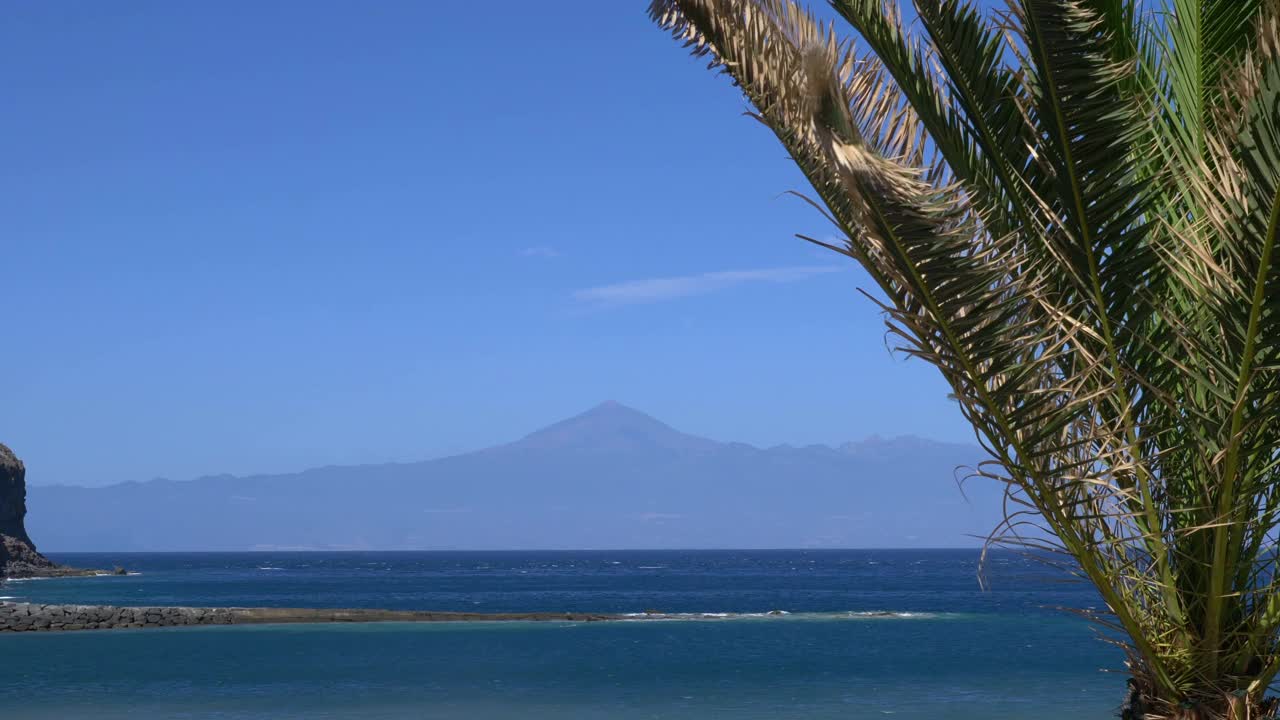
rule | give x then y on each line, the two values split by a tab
611	477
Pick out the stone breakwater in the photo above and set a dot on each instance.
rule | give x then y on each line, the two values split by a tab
33	617
21	617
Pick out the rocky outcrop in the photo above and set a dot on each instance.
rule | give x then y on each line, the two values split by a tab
32	617
13	496
18	555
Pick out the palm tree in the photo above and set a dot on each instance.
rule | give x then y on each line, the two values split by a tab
1071	209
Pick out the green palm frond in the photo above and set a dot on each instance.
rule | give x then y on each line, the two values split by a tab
1070	208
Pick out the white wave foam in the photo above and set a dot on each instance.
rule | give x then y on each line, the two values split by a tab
705	615
268	567
780	614
685	616
891	614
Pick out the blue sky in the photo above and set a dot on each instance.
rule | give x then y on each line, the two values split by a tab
262	237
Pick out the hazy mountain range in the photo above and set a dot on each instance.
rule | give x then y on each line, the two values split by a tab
611	477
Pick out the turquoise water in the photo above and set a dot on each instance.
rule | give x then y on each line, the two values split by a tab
944	650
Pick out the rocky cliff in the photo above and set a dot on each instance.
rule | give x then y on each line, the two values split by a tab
18	556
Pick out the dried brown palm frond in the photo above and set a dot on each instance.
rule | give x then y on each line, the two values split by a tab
1071	208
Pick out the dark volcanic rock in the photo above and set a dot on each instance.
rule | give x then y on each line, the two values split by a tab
13	496
18	556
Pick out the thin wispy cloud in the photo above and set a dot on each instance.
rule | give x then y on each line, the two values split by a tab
540	251
653	290
658	516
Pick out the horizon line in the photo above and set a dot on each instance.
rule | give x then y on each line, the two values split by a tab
528	550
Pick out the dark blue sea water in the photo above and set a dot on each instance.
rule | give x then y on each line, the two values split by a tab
870	634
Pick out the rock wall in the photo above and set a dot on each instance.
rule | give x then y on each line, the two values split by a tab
13	496
18	555
22	617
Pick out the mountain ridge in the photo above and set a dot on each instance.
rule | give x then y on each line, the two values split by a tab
611	477
871	443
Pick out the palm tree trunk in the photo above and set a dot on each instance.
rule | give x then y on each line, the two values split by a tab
1138	705
1134	706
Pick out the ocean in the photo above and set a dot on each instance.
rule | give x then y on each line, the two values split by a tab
903	634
